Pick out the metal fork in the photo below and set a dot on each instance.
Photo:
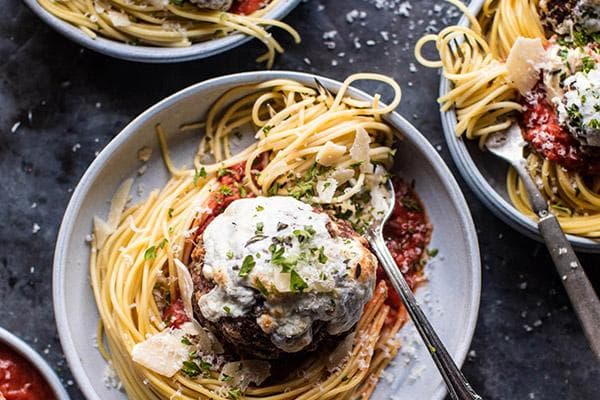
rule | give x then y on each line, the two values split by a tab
458	387
509	146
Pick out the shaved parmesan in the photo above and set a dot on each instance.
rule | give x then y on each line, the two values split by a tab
164	353
326	189
342	175
118	19
243	373
281	281
360	150
330	153
186	287
160	4
522	63
103	229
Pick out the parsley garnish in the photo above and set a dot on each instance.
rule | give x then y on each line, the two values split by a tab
261	287
259	208
587	64
170	212
259	228
199	174
247	266
185	340
322	256
191	369
227	309
235	394
432	252
229	255
150	253
297	284
226	378
226	190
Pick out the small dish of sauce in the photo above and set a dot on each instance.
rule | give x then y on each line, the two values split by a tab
20	379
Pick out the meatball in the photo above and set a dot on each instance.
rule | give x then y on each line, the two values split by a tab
252	313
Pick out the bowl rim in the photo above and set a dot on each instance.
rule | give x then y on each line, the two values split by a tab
27	352
150	54
441	169
470	172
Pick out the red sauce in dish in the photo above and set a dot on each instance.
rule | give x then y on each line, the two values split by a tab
549	139
246	7
407	234
19	380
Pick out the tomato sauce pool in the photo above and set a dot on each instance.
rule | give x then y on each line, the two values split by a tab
19	379
407	234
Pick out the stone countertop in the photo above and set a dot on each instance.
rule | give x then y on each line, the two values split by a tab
60	104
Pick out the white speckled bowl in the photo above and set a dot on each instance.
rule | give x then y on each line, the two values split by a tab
451	297
23	349
150	54
486	174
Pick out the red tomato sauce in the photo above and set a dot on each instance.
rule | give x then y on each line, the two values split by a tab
19	380
247	7
549	139
174	314
407	234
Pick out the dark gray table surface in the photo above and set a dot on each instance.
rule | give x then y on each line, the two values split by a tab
70	102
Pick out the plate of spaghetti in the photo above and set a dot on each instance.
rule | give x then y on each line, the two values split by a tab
534	63
166	31
214	249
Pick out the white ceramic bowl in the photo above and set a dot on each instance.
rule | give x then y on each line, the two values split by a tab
23	349
486	174
150	54
451	296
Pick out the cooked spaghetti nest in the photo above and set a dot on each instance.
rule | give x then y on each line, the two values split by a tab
485	100
141	245
150	22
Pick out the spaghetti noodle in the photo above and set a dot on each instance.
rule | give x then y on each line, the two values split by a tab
487	99
168	24
304	137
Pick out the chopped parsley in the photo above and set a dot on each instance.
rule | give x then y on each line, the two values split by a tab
261	287
235	394
223	171
322	256
226	190
432	252
304	234
185	340
201	173
170	212
191	369
587	64
266	129
150	253
229	255
247	265
226	378
259	228
163	243
227	309
297	284
259	208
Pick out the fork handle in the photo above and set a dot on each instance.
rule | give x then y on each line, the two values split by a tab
577	285
458	387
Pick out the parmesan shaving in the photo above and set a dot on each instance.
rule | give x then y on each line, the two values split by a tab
103	229
243	373
522	63
118	19
330	153
360	150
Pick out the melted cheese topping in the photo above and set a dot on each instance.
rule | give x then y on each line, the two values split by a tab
278	254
